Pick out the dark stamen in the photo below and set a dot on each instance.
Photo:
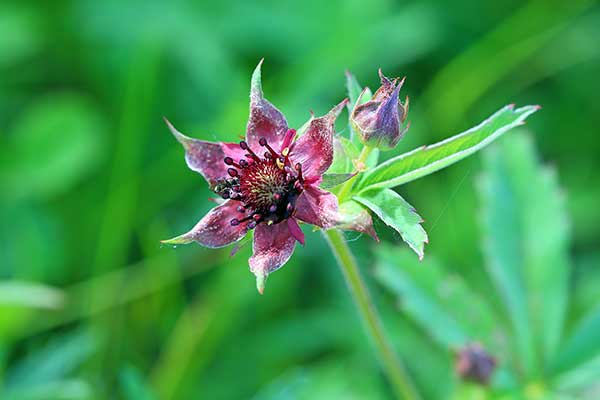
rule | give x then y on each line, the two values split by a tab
263	142
299	169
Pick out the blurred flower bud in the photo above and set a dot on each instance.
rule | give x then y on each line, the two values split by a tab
379	121
475	364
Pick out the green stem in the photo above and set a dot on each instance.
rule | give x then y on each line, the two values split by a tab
347	186
397	374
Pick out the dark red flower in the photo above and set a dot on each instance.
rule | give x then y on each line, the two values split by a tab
269	182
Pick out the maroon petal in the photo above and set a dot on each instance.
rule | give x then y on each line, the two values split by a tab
314	149
317	207
295	230
215	229
273	247
207	157
265	119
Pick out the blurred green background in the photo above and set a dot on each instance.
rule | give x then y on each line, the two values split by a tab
91	306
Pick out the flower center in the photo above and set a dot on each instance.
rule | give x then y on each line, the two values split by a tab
267	187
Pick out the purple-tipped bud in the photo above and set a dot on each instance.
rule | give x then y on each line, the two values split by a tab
378	122
473	363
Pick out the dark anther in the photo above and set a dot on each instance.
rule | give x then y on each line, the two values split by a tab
251	225
262	141
243	163
244	145
225	194
228	160
232	172
273	208
234	222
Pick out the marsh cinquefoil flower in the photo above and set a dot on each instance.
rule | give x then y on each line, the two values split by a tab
269	182
378	122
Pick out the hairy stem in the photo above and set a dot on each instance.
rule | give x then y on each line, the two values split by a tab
397	374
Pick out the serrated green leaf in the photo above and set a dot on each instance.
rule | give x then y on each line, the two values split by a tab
525	237
428	159
398	214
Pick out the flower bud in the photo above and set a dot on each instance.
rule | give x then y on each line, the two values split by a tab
379	121
475	364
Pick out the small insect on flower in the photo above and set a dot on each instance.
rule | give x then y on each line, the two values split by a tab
269	182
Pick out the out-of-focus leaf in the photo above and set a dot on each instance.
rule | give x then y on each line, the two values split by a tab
525	234
56	143
442	304
582	345
27	254
54	362
398	214
323	381
30	295
20	33
134	386
580	378
68	389
428	159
